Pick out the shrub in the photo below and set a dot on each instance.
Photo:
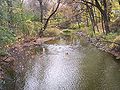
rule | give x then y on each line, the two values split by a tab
6	36
6	39
64	25
74	26
52	32
115	26
31	28
110	36
116	46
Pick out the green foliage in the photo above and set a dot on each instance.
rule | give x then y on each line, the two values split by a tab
35	18
23	24
115	26
110	36
69	31
89	31
66	31
74	26
27	23
6	36
82	25
52	32
6	39
3	52
31	28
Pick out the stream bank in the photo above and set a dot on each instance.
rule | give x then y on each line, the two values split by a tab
66	63
18	51
101	45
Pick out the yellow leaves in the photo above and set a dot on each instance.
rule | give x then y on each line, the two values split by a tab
52	32
115	6
32	27
116	40
17	10
28	21
37	25
7	46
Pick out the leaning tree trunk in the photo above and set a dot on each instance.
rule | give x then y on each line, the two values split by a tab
46	23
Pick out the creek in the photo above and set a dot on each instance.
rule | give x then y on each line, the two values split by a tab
66	63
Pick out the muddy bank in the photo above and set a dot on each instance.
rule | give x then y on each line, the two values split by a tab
102	45
24	50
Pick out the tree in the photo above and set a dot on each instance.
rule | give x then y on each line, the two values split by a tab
49	17
119	2
102	7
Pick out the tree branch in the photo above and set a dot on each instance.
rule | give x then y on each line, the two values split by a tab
46	23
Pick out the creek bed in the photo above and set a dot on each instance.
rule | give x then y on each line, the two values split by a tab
66	63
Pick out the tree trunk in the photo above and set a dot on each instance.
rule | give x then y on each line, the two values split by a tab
41	17
91	15
103	11
102	24
76	17
119	2
46	23
41	10
96	19
41	32
106	17
106	24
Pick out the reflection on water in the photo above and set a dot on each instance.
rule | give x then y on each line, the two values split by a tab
69	63
58	69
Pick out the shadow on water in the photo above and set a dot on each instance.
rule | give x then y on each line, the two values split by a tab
66	63
8	83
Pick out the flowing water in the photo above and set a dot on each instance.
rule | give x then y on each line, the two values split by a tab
67	63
